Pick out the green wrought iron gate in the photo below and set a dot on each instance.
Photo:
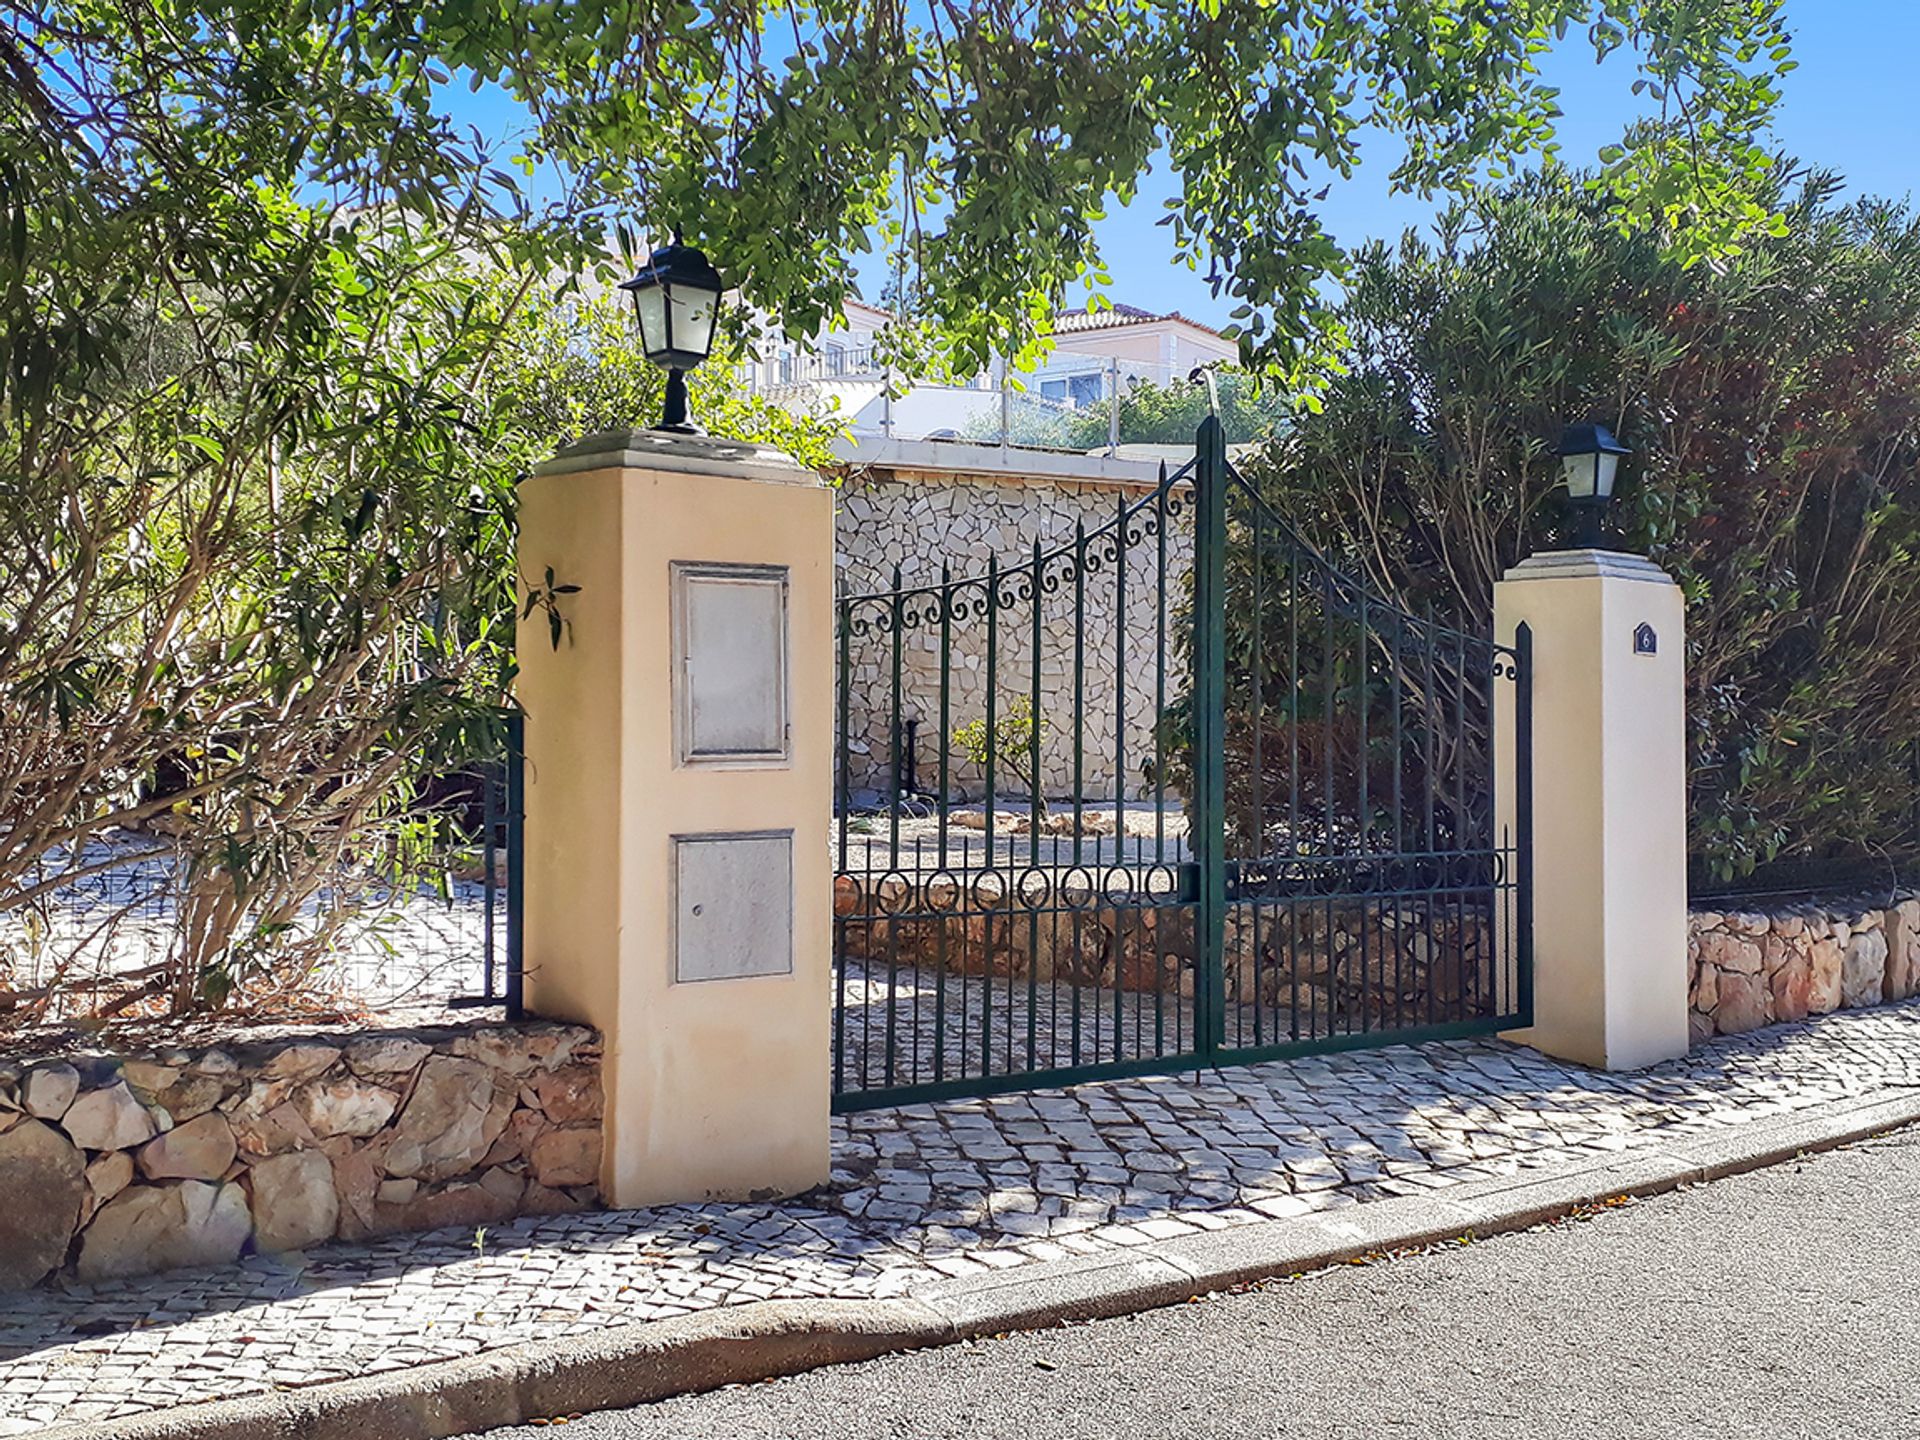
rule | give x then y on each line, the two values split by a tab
1169	790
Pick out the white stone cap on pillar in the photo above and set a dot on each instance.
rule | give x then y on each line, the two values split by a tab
1588	565
693	454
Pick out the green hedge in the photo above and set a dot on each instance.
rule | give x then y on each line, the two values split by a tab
1772	405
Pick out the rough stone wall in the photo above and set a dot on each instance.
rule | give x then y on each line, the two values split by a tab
1409	960
1751	968
922	524
114	1165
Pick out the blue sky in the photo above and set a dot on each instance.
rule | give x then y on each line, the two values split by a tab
1849	107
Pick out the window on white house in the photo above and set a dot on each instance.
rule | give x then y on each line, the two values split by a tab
1075	391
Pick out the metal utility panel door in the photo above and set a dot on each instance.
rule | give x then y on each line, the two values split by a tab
733	905
730	680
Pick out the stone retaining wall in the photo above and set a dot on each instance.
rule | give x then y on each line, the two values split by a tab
1749	968
1406	958
114	1165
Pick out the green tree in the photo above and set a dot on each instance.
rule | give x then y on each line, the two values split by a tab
977	139
1008	745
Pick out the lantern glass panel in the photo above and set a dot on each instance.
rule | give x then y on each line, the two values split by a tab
1590	475
650	303
693	313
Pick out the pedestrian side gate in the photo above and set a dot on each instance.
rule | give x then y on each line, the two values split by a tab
1175	792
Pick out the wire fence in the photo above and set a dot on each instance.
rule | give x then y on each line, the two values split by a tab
1890	867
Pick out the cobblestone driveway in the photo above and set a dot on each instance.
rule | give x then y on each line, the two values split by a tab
920	1192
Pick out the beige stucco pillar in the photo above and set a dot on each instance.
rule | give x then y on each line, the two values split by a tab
677	890
1609	803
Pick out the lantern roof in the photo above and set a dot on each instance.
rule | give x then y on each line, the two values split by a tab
1590	440
676	264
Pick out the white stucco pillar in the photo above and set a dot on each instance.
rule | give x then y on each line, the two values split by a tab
679	741
1609	803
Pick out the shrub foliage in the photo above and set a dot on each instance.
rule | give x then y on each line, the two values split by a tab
257	582
1773	405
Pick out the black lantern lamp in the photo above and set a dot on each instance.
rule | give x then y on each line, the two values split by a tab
677	299
1589	460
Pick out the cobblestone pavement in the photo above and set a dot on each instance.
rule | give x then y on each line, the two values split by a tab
906	1026
896	1026
917	1193
421	946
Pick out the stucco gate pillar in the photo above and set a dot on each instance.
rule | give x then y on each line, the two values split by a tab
1609	803
678	797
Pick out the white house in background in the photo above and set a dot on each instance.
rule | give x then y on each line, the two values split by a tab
1169	345
1097	354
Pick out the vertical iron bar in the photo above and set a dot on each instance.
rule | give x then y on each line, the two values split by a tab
1293	785
1120	679
917	897
989	844
1209	724
1119	751
1160	675
1362	654
1327	714
963	903
1036	803
490	782
1396	695
516	864
941	800
1257	798
894	730
1326	791
1430	713
1079	773
1461	835
1160	752
842	806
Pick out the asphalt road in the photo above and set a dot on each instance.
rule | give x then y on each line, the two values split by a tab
1782	1303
